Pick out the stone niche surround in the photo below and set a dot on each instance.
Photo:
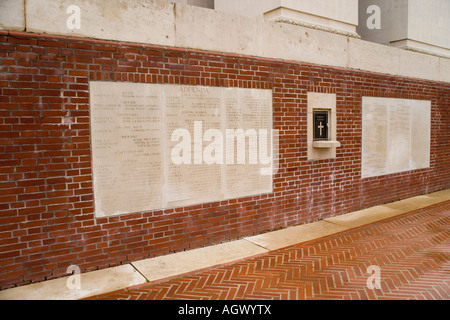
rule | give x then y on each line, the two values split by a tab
322	150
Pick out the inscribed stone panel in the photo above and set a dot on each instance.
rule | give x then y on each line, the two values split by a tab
248	124
374	149
196	110
137	128
126	125
395	135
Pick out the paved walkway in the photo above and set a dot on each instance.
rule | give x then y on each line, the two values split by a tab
406	257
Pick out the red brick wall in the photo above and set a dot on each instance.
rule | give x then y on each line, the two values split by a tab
46	199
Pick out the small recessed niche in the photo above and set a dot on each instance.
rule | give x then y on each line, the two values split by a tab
322	141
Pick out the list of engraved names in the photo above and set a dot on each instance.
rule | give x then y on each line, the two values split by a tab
132	128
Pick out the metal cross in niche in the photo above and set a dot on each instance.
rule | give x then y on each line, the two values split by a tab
321	127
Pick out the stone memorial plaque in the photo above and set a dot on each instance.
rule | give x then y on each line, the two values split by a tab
196	110
420	114
375	133
166	146
399	142
126	125
395	135
248	141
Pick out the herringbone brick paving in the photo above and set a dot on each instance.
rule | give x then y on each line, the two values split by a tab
412	252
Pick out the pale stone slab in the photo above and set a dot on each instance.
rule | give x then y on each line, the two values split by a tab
374	214
399	135
291	236
420	113
296	43
197	110
444	67
363	217
12	15
237	34
287	15
126	125
440	196
375	57
415	203
91	283
146	21
420	29
376	137
344	11
256	37
165	146
326	144
249	111
396	135
188	261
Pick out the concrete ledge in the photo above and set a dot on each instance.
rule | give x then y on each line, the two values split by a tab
378	213
326	144
91	283
291	236
138	273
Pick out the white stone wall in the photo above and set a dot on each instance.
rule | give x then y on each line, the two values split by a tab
396	135
12	15
429	23
333	15
162	23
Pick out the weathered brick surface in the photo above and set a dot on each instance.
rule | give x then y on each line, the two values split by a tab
46	199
